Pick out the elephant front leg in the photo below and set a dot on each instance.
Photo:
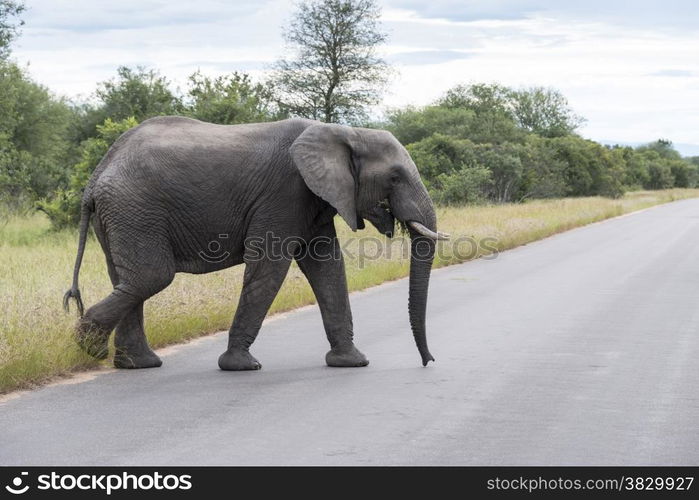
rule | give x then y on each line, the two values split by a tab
324	268
261	283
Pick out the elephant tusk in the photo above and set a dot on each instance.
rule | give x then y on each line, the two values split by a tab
427	232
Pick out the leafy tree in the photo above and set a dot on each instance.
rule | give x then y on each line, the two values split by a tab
493	120
479	97
663	147
93	149
441	154
635	174
335	72
542	170
86	117
588	170
450	169
611	178
463	186
9	24
229	99
34	137
524	140
63	209
659	171
543	111
537	109
664	165
137	93
684	173
506	169
412	124
478	126
495	128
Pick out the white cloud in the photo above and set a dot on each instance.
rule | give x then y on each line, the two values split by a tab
616	76
72	45
632	72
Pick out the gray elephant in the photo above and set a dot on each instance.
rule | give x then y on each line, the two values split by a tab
170	187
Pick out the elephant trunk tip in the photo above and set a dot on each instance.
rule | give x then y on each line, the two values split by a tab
426	357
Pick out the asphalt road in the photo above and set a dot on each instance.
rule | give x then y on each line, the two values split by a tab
579	349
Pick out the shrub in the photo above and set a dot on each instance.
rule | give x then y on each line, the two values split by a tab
63	209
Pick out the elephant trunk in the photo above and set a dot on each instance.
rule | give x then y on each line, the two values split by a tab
422	248
421	256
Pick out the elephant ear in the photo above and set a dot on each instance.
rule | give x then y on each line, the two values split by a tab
323	156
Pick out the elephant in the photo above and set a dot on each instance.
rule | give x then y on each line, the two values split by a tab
170	187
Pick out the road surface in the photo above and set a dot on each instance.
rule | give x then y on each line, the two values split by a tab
579	349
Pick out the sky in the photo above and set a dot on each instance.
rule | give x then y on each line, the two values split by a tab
631	68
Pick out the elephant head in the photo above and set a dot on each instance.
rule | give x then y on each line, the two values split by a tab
368	174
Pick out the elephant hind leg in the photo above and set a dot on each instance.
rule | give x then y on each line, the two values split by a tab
122	309
135	279
132	349
93	330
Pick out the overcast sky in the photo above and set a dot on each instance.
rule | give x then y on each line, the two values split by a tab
631	68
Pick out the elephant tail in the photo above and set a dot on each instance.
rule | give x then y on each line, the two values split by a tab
74	292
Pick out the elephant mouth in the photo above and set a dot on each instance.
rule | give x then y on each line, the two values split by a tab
388	226
383	219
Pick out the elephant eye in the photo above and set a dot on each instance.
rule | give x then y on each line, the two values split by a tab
395	175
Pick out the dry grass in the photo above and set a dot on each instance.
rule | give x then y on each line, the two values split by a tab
35	270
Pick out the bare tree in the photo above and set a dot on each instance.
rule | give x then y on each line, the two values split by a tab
335	72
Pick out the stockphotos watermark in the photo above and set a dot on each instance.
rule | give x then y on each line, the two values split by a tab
362	250
105	483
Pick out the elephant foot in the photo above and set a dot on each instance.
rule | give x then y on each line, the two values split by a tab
144	359
92	339
346	358
238	360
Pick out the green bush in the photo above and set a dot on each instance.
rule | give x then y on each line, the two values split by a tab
659	170
63	209
542	171
34	137
467	185
685	173
138	93
228	99
525	140
414	124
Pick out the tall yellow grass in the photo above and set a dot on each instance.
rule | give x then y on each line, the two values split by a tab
36	264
